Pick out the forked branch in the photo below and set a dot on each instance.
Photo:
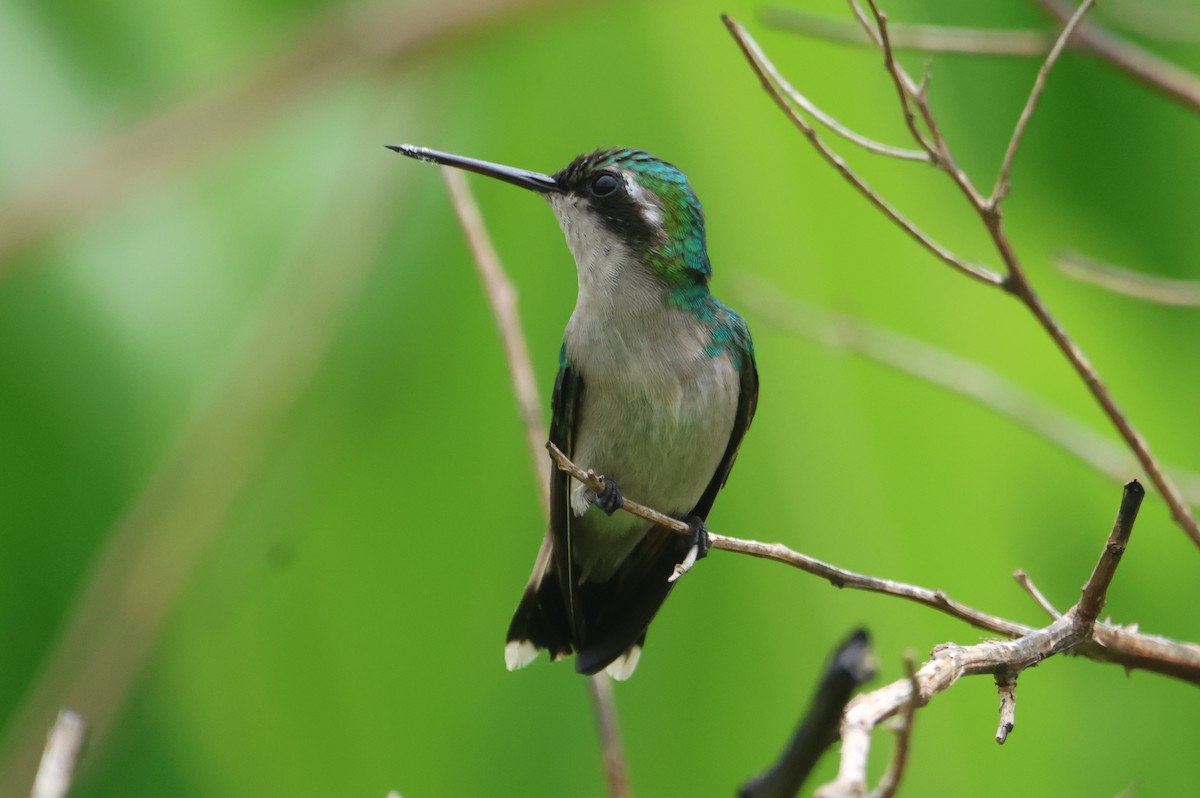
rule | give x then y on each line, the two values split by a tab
914	103
1005	659
1113	643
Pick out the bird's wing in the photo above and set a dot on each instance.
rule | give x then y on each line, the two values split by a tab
743	353
568	395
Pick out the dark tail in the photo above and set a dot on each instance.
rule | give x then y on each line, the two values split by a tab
613	616
541	620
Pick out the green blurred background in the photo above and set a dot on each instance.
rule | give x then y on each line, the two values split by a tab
265	503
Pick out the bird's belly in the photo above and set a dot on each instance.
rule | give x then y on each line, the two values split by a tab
661	440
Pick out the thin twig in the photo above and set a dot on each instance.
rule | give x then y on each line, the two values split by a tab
914	95
890	782
951	662
812	110
1003	183
927	38
1029	587
1149	69
864	23
1019	282
501	298
1095	590
1142	65
763	67
1006	688
63	745
1163	290
905	88
1113	643
1016	282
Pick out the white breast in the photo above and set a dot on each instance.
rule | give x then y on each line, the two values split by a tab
657	410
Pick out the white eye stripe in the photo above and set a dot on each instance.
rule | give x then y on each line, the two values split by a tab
646	200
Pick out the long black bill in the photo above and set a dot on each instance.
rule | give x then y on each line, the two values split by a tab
543	184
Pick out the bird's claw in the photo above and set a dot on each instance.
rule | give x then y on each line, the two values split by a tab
697	551
610	499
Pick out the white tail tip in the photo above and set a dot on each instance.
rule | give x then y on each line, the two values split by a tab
623	666
519	653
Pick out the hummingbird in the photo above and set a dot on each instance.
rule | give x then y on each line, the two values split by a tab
656	387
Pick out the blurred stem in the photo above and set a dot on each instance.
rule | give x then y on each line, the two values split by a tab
147	560
1149	69
956	374
1163	290
1174	82
63	745
183	135
928	38
501	297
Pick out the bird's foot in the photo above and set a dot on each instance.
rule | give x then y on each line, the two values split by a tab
697	551
699	536
610	499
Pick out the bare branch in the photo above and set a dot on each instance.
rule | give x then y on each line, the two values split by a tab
1015	283
1095	590
1150	70
1020	286
1003	183
950	662
1131	648
1163	290
1113	644
1029	587
763	67
864	23
63	745
906	89
890	782
1006	687
501	298
850	667
914	95
928	38
812	110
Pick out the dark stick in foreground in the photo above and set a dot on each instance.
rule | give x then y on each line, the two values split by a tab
851	667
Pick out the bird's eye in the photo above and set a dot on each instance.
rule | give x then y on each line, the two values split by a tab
605	185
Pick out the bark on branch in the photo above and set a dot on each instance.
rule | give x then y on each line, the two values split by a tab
1006	659
1013	280
1126	647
